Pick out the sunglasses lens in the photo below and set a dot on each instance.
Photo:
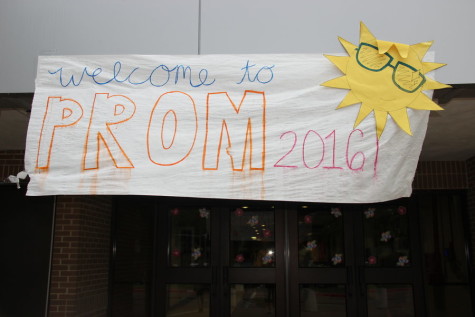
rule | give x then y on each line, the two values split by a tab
369	57
408	78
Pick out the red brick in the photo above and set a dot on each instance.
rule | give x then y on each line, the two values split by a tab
82	233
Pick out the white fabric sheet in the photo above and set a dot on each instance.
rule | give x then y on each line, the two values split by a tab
214	126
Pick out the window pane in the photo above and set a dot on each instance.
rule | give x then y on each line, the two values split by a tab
446	271
189	237
252	241
386	236
390	300
254	300
191	300
321	237
322	300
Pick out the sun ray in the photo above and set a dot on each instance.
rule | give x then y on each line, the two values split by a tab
381	117
403	49
432	84
350	99
366	36
385	46
422	102
339	82
349	47
340	61
401	119
365	110
421	48
428	67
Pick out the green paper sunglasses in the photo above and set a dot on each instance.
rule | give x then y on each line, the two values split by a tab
405	77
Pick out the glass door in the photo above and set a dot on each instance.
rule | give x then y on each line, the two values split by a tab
220	260
253	261
186	268
354	260
388	264
321	281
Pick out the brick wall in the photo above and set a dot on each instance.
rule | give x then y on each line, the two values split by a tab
440	175
80	265
11	162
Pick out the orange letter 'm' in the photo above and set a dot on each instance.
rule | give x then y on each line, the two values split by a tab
244	126
106	111
59	113
172	128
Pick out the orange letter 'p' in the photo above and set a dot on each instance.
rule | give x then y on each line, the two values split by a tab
59	113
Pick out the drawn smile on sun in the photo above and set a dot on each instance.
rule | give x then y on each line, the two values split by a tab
386	78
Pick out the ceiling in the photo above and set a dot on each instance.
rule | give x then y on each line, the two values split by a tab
450	134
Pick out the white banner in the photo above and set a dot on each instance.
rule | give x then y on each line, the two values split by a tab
215	126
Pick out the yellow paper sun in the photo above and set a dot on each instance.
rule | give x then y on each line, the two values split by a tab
386	78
